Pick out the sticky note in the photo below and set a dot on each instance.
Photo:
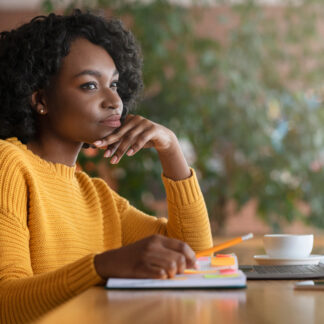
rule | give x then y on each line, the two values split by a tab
192	271
222	261
223	255
227	271
203	259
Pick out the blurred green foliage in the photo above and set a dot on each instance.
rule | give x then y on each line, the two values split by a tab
247	102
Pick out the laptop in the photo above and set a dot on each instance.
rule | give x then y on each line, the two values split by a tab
283	271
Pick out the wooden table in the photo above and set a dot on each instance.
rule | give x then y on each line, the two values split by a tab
261	302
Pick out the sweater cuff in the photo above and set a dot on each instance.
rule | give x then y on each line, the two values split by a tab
183	192
83	275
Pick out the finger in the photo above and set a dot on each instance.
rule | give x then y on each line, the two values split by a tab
111	149
114	137
130	123
143	140
155	272
172	262
127	140
149	144
165	262
182	248
132	145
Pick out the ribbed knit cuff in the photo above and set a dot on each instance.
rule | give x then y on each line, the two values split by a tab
182	192
83	275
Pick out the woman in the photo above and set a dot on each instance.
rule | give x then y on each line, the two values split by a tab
67	81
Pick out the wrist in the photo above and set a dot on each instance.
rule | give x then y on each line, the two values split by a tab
172	148
98	266
102	264
174	164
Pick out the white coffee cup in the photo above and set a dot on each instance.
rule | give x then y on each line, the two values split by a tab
288	246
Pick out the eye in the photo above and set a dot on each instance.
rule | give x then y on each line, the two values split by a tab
89	86
114	84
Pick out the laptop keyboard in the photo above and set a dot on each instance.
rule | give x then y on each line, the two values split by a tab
289	269
283	271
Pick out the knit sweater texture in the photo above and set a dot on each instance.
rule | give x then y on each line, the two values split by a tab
55	219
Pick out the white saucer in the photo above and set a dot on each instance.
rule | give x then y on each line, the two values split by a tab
266	260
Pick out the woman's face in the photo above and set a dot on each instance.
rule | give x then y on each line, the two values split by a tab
82	102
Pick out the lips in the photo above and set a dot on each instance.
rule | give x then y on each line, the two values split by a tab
112	121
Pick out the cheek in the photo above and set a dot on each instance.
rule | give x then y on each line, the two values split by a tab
76	116
73	103
74	113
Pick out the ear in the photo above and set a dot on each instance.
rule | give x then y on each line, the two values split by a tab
38	102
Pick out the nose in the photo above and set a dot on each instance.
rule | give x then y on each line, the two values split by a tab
111	100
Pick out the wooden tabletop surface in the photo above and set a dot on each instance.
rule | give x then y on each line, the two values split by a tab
261	302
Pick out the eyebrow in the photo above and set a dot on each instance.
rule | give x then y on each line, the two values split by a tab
93	73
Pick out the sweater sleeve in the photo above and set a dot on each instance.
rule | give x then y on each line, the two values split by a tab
187	216
25	296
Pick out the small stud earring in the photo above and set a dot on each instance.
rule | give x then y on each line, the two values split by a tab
41	111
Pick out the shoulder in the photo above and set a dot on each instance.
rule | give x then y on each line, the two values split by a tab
12	157
13	180
8	145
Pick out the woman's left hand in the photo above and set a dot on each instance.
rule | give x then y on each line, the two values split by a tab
136	133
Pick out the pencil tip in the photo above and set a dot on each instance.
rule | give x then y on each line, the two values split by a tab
247	236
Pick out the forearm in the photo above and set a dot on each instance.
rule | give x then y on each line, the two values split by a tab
23	300
187	213
187	216
173	162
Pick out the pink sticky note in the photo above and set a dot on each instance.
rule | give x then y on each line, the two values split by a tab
203	258
227	271
223	255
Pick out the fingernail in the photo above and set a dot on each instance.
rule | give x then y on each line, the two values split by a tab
98	143
163	274
196	265
130	152
107	153
114	160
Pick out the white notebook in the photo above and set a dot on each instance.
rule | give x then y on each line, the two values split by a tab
206	277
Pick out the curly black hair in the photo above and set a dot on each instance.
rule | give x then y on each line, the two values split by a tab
31	54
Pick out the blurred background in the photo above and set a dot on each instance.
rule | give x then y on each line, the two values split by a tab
241	84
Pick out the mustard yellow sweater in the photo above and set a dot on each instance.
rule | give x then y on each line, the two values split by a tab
54	219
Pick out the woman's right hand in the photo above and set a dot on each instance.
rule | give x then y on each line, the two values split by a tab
156	257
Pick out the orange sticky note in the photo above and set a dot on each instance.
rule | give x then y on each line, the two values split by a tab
222	261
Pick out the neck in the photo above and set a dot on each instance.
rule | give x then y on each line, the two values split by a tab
55	150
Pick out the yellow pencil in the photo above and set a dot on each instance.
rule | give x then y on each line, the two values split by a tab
224	245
